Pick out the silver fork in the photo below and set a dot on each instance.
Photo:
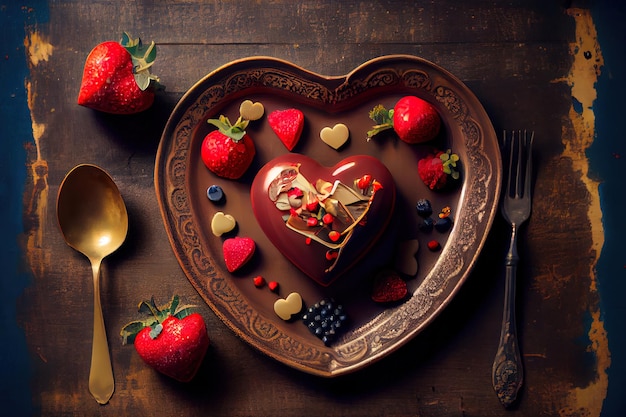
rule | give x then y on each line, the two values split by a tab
507	370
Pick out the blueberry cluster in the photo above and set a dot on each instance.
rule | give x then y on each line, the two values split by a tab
425	210
326	320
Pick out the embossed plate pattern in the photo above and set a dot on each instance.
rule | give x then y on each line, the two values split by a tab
181	182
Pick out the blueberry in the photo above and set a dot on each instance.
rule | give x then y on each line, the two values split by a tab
215	193
427	225
424	209
443	225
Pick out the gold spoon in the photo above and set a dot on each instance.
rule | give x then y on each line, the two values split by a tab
94	221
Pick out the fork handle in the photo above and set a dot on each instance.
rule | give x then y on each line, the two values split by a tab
507	370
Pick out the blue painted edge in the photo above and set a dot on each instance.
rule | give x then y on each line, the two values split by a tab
607	162
16	19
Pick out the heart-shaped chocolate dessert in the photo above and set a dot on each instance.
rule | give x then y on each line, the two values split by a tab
323	219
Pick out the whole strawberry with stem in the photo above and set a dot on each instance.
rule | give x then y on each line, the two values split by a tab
414	120
117	79
228	151
172	340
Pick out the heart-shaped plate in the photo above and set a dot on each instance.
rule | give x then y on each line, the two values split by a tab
181	182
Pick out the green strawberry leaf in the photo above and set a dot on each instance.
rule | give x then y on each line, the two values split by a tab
156	331
236	132
142	57
183	312
156	315
126	39
383	119
173	305
132	329
449	163
143	80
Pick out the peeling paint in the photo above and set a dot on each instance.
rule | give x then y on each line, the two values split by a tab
36	193
582	79
38	48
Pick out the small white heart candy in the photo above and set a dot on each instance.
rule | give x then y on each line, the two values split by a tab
287	307
222	223
336	136
406	262
251	111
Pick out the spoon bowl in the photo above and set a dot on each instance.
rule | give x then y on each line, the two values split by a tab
93	219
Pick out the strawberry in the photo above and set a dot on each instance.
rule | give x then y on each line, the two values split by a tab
117	78
288	125
434	169
414	120
228	151
173	340
237	252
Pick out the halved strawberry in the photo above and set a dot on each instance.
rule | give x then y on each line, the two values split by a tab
117	79
288	125
434	169
228	151
414	120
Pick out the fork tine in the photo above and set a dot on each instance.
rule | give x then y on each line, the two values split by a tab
529	163
519	165
508	145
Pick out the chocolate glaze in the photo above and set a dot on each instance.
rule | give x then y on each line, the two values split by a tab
311	258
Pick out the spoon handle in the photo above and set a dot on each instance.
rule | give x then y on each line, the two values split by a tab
101	382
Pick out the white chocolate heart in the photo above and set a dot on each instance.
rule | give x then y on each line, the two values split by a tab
336	136
251	111
222	223
287	307
406	261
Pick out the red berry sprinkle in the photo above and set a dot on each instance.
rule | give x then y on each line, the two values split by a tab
364	181
331	254
328	218
273	286
259	281
433	245
313	205
311	222
308	240
334	235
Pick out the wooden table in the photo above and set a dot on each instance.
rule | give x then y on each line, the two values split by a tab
532	64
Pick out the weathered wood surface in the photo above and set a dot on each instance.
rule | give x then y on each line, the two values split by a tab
517	57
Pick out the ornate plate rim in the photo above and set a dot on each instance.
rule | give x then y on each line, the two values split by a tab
483	178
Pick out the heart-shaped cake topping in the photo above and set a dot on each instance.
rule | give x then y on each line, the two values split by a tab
335	136
250	110
323	219
222	223
285	308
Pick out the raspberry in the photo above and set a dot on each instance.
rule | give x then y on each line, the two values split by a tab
389	288
430	170
435	169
